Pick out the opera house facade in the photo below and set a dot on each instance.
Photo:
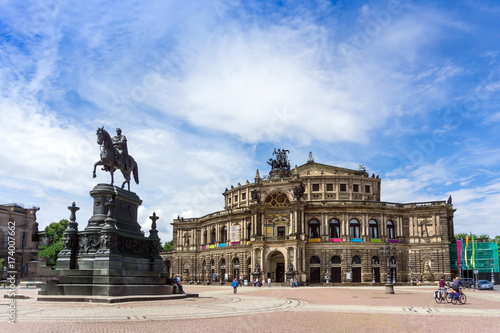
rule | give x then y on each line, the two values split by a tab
316	223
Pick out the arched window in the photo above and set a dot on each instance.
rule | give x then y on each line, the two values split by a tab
356	260
205	239
314	229
223	234
236	262
222	263
354	228
277	199
390	229
375	260
314	260
373	229
249	231
336	260
212	236
334	228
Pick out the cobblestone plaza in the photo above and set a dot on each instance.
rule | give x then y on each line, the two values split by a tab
264	309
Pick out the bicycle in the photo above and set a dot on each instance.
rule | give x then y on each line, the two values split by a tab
458	297
439	296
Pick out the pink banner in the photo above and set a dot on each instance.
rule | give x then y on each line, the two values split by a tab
459	252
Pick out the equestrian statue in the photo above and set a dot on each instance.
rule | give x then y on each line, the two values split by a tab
114	155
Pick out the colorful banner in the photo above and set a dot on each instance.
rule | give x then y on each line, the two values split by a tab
459	253
466	246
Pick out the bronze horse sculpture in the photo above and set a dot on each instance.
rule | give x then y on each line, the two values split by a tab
109	159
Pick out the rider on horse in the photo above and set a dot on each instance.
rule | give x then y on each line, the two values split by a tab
120	144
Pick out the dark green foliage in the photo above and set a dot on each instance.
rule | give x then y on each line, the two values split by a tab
168	246
55	232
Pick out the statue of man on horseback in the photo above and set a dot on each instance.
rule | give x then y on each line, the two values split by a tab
120	144
114	155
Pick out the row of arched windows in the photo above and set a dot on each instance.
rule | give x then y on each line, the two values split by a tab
314	227
355	259
222	235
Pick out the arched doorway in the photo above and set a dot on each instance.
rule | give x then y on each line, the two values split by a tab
276	267
314	269
236	268
222	270
356	269
336	274
212	269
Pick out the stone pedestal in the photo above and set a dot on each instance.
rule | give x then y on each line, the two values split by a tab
111	257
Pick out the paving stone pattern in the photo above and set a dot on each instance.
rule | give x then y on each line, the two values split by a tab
276	309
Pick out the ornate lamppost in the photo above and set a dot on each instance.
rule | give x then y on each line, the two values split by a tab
208	274
373	270
199	272
192	270
388	252
393	271
411	272
492	274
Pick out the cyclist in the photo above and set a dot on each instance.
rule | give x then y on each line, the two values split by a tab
457	284
442	287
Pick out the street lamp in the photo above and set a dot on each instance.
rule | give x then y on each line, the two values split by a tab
208	274
492	275
373	270
393	271
387	252
192	269
411	272
199	272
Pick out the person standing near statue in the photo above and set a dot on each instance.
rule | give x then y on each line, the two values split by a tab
235	285
120	144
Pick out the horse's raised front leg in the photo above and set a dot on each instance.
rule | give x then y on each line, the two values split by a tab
95	166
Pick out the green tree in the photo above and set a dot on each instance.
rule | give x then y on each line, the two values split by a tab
463	235
55	232
169	246
485	236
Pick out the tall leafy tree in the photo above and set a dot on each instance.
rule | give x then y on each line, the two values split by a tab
169	246
55	232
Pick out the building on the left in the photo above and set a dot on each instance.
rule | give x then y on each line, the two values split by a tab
23	225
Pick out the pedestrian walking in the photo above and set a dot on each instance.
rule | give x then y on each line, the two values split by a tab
269	282
235	285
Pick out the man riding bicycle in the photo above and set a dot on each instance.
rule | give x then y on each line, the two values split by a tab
442	287
457	284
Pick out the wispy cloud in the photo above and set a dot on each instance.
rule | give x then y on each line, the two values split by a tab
202	90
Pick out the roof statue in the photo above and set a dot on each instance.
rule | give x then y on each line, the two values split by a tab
280	166
310	158
114	155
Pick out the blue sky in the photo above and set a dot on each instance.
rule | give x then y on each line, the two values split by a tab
205	90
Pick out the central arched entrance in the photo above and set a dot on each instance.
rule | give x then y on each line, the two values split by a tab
314	269
276	267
